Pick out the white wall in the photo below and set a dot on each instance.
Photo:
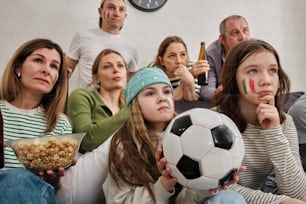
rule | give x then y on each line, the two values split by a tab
280	22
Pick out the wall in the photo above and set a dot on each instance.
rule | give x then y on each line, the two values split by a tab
279	22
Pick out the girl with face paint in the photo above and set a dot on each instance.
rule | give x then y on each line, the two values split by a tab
137	170
33	92
254	90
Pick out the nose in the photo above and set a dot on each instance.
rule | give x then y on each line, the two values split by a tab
45	69
161	97
242	36
116	69
116	12
265	79
179	60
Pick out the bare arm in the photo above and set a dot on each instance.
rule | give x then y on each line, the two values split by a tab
71	64
187	83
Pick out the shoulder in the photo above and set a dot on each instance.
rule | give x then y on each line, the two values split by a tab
63	118
81	92
83	36
215	45
63	125
288	126
288	119
2	104
299	107
87	31
81	95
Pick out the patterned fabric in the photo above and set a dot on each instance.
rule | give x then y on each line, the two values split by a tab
275	148
20	123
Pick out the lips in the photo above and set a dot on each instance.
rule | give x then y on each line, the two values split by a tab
118	78
44	80
265	93
163	108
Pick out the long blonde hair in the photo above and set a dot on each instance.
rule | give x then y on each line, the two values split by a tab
134	138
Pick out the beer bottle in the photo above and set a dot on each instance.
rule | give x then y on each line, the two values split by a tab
203	78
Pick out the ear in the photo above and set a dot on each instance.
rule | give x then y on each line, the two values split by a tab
222	39
161	61
100	12
17	69
94	77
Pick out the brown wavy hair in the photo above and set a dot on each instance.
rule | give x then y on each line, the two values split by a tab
227	101
53	102
163	47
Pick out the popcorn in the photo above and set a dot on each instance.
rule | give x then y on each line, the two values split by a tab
51	153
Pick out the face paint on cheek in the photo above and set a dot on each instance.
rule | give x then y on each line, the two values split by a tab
248	86
106	14
169	102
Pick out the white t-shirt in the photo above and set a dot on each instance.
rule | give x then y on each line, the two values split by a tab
87	44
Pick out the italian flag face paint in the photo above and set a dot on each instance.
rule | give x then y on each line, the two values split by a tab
169	103
248	86
106	14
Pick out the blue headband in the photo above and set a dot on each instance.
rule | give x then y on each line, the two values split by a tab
142	79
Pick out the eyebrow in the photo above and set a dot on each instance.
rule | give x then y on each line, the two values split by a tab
54	61
255	65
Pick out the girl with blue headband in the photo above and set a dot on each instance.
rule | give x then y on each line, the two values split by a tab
137	170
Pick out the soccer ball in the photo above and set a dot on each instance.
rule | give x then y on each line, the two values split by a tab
203	148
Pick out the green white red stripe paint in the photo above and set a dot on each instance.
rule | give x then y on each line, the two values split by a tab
106	14
248	86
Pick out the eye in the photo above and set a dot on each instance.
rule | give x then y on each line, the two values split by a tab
273	70
149	93
106	66
122	9
167	91
172	56
246	31
252	71
38	60
121	66
183	54
111	7
54	66
234	33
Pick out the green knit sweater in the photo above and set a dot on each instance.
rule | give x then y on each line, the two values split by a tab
89	114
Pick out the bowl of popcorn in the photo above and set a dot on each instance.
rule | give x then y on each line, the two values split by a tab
47	152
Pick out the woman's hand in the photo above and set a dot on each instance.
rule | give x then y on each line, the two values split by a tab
184	74
267	113
166	179
293	201
53	177
199	67
234	180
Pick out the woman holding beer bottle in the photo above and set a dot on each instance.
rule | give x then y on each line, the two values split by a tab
173	58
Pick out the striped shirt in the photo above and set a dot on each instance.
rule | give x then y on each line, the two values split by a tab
20	123
175	82
265	149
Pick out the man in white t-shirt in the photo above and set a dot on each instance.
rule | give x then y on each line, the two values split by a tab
87	44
